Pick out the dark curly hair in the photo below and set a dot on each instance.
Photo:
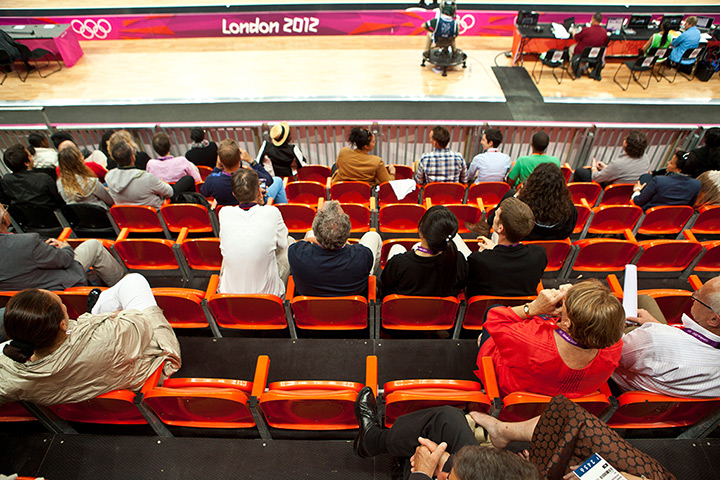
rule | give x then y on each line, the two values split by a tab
546	193
635	144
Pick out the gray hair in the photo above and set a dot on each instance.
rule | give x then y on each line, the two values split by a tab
331	226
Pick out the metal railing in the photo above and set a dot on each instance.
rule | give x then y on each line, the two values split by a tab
400	142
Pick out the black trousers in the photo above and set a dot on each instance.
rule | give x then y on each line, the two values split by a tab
185	184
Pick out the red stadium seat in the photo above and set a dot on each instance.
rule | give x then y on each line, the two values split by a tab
557	252
400	312
138	219
652	410
604	254
707	221
204	171
465	213
202	256
308	193
314	173
668	258
298	218
664	220
150	256
387	196
359	214
479	304
490	192
196	218
617	194
403	172
387	245
614	219
400	218
442	193
590	191
351	192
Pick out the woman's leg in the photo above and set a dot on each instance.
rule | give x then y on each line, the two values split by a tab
502	433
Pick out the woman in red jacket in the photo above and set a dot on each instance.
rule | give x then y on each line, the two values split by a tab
572	355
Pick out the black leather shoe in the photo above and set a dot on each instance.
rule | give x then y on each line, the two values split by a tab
366	415
92	298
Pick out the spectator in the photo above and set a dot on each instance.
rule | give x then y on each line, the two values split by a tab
444	440
358	164
202	151
547	195
674	188
77	183
96	168
131	186
141	158
709	189
660	39
285	157
25	186
442	164
104	145
687	40
508	269
707	157
325	265
45	157
167	167
592	36
26	261
52	359
59	137
627	168
253	241
682	362
574	356
219	185
492	165
433	268
525	165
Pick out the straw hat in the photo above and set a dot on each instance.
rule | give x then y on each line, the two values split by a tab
279	133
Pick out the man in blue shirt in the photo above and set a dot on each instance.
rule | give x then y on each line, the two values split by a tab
689	39
492	165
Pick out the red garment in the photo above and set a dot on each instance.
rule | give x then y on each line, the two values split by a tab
526	358
96	168
592	36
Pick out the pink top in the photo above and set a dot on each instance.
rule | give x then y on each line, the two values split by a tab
526	358
171	169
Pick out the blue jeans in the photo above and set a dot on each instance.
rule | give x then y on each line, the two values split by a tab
276	191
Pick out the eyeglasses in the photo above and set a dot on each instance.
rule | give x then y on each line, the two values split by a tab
702	303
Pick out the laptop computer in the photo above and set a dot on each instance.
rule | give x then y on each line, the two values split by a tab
568	23
639	21
615	24
527	19
704	23
673	20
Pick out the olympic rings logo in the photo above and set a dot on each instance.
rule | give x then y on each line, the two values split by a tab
90	29
466	23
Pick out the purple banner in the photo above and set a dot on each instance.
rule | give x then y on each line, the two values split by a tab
259	24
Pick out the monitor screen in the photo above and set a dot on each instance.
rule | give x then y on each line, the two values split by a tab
704	22
527	19
614	24
639	21
568	23
673	20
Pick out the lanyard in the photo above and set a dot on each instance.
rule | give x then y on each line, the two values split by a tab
701	337
565	336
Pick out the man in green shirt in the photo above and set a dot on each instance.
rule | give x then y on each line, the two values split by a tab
525	165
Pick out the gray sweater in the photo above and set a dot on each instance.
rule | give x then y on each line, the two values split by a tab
132	186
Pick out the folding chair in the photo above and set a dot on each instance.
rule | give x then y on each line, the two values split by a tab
661	55
318	405
38	53
351	192
305	192
246	312
552	59
149	256
196	218
400	218
352	312
141	219
89	221
693	54
590	191
635	69
401	312
617	194
387	196
593	56
443	193
407	396
664	220
314	173
491	193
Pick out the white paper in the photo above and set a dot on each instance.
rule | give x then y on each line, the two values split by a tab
48	26
19	27
559	31
630	291
403	187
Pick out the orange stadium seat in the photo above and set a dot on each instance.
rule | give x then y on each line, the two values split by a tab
138	219
298	218
150	256
314	173
403	172
590	191
196	218
387	196
557	252
490	192
360	215
664	220
400	312
465	213
652	410
387	245
667	258
585	214
614	219
479	304
308	193
442	193
673	302
709	262
201	256
351	192
14	412
617	194
400	218
603	254
707	221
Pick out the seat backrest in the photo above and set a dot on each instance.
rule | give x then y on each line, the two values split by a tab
478	306
710	262
659	53
672	302
442	193
400	218
651	410
604	254
85	216
664	220
403	172
692	53
330	313
614	219
297	217
386	195
202	253
147	254
555	56
314	173
248	312
359	216
521	406
351	192
14	412
137	218
196	218
590	191
305	192
556	252
116	408
707	221
465	213
387	245
592	54
34	217
182	307
617	194
400	312
669	256
490	192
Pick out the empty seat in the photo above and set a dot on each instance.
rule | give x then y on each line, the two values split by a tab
442	193
202	256
308	193
36	218
556	251
707	221
386	195
604	254
400	218
150	256
617	194
89	221
245	312
196	218
298	218
403	172
652	410
664	220
491	193
360	215
614	219
465	213
314	173
401	312
138	219
351	192
590	191
668	258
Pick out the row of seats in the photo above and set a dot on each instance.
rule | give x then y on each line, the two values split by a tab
323	405
194	309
